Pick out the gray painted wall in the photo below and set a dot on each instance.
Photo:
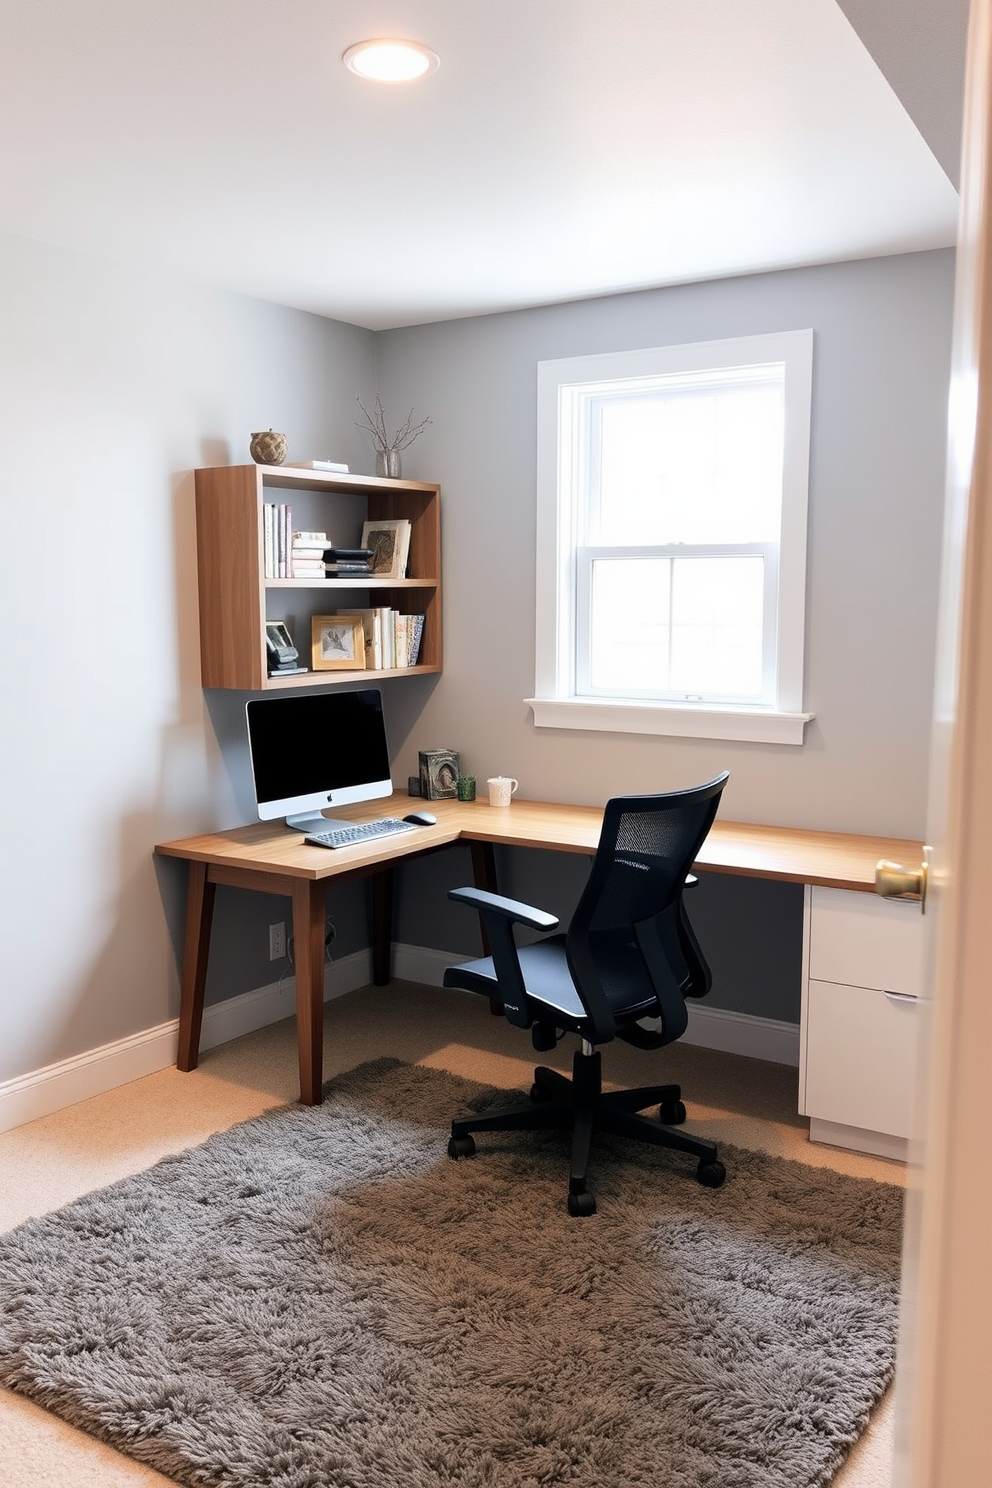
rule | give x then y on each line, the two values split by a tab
881	368
115	383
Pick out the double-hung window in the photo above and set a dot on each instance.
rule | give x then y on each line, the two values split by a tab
671	542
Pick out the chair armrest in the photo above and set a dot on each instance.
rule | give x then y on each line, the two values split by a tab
499	915
510	909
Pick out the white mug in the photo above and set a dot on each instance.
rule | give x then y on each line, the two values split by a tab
501	788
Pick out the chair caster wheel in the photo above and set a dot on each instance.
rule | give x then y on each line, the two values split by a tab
671	1113
581	1204
461	1147
539	1094
711	1173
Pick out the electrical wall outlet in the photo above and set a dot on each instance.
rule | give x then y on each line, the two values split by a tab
277	941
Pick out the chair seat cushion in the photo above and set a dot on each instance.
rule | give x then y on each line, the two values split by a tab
550	988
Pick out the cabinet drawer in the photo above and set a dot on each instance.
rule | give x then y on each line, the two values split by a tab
865	941
861	1049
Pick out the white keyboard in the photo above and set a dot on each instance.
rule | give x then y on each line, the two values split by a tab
349	836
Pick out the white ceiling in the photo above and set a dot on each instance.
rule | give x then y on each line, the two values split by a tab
565	148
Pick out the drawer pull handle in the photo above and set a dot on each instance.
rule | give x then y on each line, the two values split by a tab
903	996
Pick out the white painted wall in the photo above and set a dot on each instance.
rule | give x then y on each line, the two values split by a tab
881	367
114	385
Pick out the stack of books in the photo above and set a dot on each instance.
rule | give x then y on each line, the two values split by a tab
347	563
277	526
308	555
392	639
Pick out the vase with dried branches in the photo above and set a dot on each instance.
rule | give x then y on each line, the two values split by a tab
387	449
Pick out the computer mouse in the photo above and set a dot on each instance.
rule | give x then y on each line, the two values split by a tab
421	819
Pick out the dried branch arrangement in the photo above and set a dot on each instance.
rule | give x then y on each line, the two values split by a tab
375	424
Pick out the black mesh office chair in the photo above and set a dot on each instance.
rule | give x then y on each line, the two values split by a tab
629	954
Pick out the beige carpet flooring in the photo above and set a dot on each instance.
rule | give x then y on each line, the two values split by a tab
46	1163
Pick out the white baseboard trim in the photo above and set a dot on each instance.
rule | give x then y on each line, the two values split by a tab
415	963
41	1092
742	1033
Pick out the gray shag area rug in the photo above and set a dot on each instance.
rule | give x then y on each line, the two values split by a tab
320	1298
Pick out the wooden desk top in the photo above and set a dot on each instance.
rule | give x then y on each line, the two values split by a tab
838	860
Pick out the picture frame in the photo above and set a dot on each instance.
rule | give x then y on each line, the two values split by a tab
337	643
439	772
277	637
389	541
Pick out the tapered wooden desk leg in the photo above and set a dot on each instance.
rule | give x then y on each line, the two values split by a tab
484	873
382	927
308	949
196	948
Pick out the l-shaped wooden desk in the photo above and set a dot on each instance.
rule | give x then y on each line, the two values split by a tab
269	858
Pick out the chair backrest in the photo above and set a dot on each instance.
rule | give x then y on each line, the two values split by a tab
646	848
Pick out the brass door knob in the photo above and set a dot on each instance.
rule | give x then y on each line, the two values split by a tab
894	881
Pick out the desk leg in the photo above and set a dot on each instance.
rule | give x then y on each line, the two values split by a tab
196	947
308	948
484	873
382	927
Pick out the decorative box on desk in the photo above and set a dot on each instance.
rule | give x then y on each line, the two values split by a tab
236	597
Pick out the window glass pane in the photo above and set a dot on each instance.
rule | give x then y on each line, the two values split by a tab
628	624
717	606
690	465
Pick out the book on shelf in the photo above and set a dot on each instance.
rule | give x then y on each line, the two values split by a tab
277	526
388	638
333	465
392	639
346	570
372	627
347	555
409	631
401	640
416	636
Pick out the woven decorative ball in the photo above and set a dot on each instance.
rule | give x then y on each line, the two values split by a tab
268	448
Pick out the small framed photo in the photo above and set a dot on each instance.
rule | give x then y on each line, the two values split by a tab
389	541
277	637
439	771
338	643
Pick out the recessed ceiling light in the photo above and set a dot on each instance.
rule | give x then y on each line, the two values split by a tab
390	61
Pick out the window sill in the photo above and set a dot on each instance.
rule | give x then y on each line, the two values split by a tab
749	725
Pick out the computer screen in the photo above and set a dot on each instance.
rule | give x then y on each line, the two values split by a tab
324	749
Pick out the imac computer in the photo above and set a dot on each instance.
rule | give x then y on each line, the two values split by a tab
325	749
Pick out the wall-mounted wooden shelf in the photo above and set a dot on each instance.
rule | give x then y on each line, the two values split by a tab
236	597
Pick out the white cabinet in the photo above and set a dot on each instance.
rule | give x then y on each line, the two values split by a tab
860	1022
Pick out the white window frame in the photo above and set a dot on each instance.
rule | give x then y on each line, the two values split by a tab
564	386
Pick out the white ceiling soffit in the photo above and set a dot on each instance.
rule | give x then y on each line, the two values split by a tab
562	150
